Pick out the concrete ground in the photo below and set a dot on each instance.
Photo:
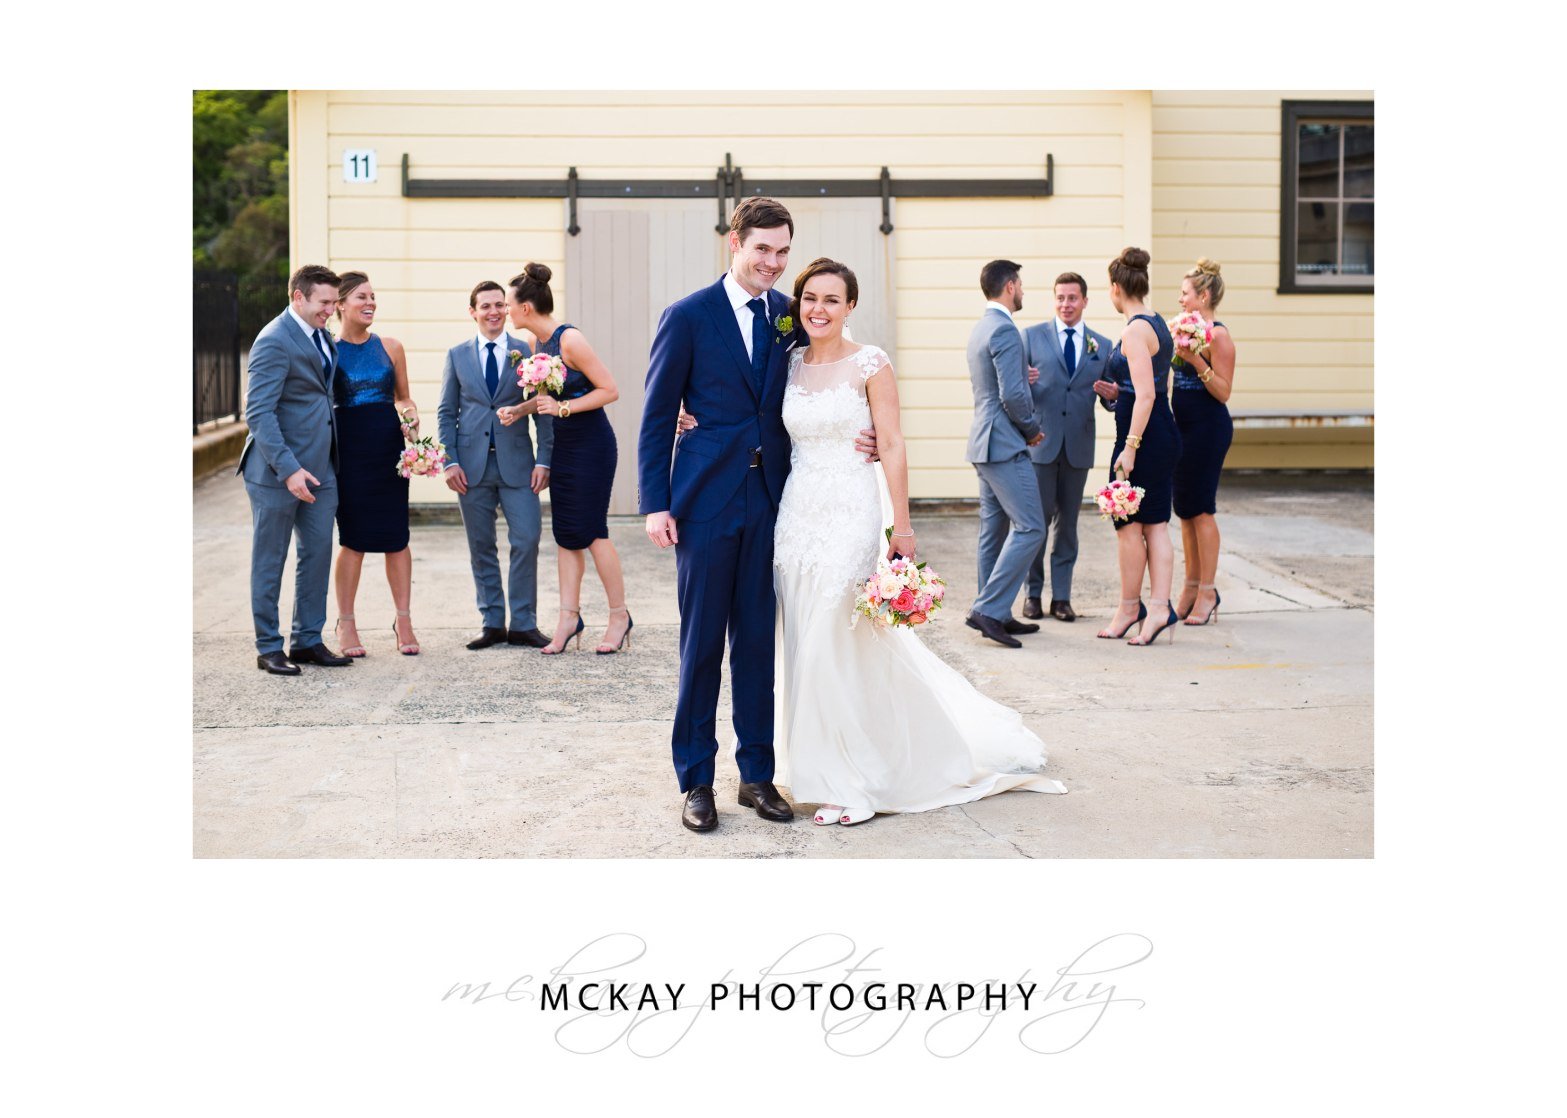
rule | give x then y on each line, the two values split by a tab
1248	738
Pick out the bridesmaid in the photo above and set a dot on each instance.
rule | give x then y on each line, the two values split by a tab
1202	388
583	462
371	392
1147	445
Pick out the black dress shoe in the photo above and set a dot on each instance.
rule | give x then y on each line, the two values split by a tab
1032	608
700	813
1015	627
993	629
530	637
318	654
487	636
766	800
276	663
1062	611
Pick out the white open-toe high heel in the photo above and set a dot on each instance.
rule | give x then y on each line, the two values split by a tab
828	814
853	815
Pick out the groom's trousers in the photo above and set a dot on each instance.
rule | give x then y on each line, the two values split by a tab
1011	528
277	516
724	573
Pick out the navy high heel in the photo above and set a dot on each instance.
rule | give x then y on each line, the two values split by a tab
1142	612
1213	614
545	651
625	638
1140	643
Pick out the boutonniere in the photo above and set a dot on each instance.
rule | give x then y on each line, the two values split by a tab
1093	345
785	326
515	357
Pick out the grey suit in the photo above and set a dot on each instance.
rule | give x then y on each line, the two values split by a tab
1064	400
1011	526
288	408
498	462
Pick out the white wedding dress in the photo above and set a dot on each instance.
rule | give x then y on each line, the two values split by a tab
867	716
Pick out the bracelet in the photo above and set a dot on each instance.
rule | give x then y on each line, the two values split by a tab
903	535
565	410
1134	441
1205	376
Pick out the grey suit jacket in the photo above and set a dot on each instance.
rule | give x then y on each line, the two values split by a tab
467	419
1065	404
1004	418
288	408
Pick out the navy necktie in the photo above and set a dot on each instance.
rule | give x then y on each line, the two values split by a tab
492	371
758	342
1069	353
326	357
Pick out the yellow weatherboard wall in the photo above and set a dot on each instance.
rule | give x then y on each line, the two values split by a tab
1119	168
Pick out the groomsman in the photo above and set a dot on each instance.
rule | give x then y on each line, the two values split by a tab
1065	358
1011	526
494	466
290	468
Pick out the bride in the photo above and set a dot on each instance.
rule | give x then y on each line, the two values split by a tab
868	719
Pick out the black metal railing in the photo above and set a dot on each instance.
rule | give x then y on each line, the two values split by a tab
215	354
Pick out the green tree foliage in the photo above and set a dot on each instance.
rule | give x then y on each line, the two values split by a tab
240	166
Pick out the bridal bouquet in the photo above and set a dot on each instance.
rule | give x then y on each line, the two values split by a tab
1194	326
540	373
901	592
1119	500
423	457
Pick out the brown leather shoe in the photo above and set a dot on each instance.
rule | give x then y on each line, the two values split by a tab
1062	611
764	797
1032	609
700	813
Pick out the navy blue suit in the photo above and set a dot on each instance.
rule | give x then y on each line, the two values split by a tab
724	509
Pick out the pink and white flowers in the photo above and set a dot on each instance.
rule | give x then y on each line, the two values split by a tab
541	372
423	457
1119	500
1194	326
901	592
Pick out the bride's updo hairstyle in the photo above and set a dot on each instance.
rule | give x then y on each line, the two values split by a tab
533	286
1130	272
823	266
1205	277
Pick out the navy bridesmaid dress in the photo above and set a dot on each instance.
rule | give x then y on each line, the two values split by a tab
1155	466
1206	430
372	500
582	464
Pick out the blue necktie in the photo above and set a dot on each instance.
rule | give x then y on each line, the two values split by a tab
758	342
326	358
492	371
1069	353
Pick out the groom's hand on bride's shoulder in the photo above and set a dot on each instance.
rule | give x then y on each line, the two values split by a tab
661	529
866	444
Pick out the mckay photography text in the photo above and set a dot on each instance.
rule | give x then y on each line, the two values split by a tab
853	997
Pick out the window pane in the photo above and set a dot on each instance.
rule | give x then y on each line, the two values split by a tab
1358	240
1319	159
1358	181
1316	239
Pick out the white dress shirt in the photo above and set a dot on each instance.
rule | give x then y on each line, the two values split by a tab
480	341
999	307
310	333
738	298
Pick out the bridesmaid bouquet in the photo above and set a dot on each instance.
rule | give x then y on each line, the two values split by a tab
1119	500
1194	326
901	592
540	373
423	457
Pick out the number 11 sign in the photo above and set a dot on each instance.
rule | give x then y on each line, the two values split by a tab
359	165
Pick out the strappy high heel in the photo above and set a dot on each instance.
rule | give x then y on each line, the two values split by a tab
1142	612
1138	641
1213	612
356	651
412	647
1196	583
827	815
625	638
853	815
547	651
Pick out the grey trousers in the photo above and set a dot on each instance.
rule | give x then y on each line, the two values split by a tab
1061	488
278	516
523	525
1011	529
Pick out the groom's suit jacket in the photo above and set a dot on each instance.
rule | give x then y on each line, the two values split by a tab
699	358
467	421
1004	417
1064	403
288	407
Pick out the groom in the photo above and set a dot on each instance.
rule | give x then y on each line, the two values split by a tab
722	351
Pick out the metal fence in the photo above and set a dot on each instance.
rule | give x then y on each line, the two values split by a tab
215	354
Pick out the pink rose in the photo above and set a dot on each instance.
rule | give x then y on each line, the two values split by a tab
922	602
916	619
904	601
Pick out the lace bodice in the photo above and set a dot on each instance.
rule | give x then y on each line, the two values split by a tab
830	518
